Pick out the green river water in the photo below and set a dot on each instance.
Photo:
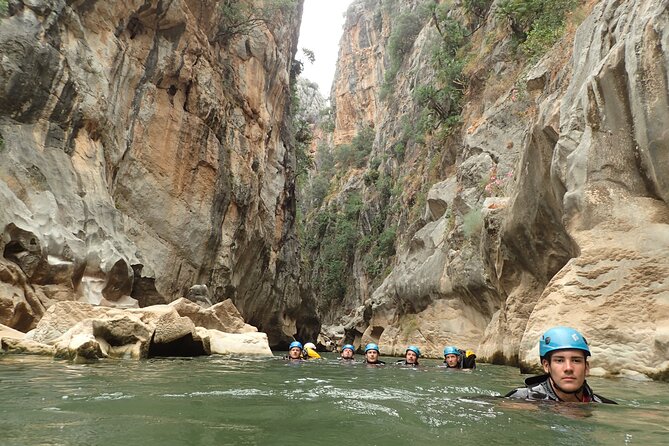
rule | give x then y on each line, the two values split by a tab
251	401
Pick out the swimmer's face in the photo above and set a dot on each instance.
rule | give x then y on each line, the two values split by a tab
451	360
372	355
295	353
567	368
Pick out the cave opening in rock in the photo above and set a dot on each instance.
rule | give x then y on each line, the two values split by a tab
13	249
376	333
183	347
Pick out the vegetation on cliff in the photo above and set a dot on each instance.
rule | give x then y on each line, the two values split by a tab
365	199
239	18
537	24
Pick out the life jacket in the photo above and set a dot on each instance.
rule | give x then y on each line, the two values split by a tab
310	354
539	388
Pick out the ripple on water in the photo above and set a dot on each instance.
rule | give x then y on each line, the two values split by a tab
232	392
366	408
101	397
112	396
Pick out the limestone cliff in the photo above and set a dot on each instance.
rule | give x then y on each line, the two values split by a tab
145	148
546	204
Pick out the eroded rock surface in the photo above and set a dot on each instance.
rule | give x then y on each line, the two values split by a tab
143	150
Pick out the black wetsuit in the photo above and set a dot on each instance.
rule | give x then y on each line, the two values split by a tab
406	364
375	363
540	388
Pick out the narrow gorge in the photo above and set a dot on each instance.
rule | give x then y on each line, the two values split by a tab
480	172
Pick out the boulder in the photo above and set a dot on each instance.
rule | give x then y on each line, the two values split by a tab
79	344
200	295
9	332
175	335
26	346
230	318
83	332
61	317
223	316
236	343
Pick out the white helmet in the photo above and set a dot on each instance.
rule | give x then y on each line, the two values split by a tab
309	345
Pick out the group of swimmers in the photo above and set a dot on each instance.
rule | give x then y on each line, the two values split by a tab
453	357
563	353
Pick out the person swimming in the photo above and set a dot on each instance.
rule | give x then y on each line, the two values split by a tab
564	353
454	358
372	355
411	355
347	353
295	352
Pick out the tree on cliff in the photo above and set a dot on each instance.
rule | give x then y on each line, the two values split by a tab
240	18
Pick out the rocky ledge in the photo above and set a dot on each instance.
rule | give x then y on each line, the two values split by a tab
82	332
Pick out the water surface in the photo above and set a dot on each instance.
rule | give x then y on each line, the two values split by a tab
251	401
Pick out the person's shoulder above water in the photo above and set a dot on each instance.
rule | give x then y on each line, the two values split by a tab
404	363
563	353
539	388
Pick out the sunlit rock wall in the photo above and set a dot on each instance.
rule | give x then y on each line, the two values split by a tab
141	154
611	159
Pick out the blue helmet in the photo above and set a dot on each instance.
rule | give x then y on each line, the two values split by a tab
562	338
451	350
295	344
348	346
414	349
371	346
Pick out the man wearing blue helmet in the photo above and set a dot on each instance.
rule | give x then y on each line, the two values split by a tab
295	351
372	355
564	356
411	355
454	358
347	352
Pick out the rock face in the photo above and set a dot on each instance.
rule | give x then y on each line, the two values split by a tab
612	156
144	150
548	207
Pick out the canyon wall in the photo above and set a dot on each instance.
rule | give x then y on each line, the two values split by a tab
545	205
146	154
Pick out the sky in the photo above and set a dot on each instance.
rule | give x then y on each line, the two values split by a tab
322	26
